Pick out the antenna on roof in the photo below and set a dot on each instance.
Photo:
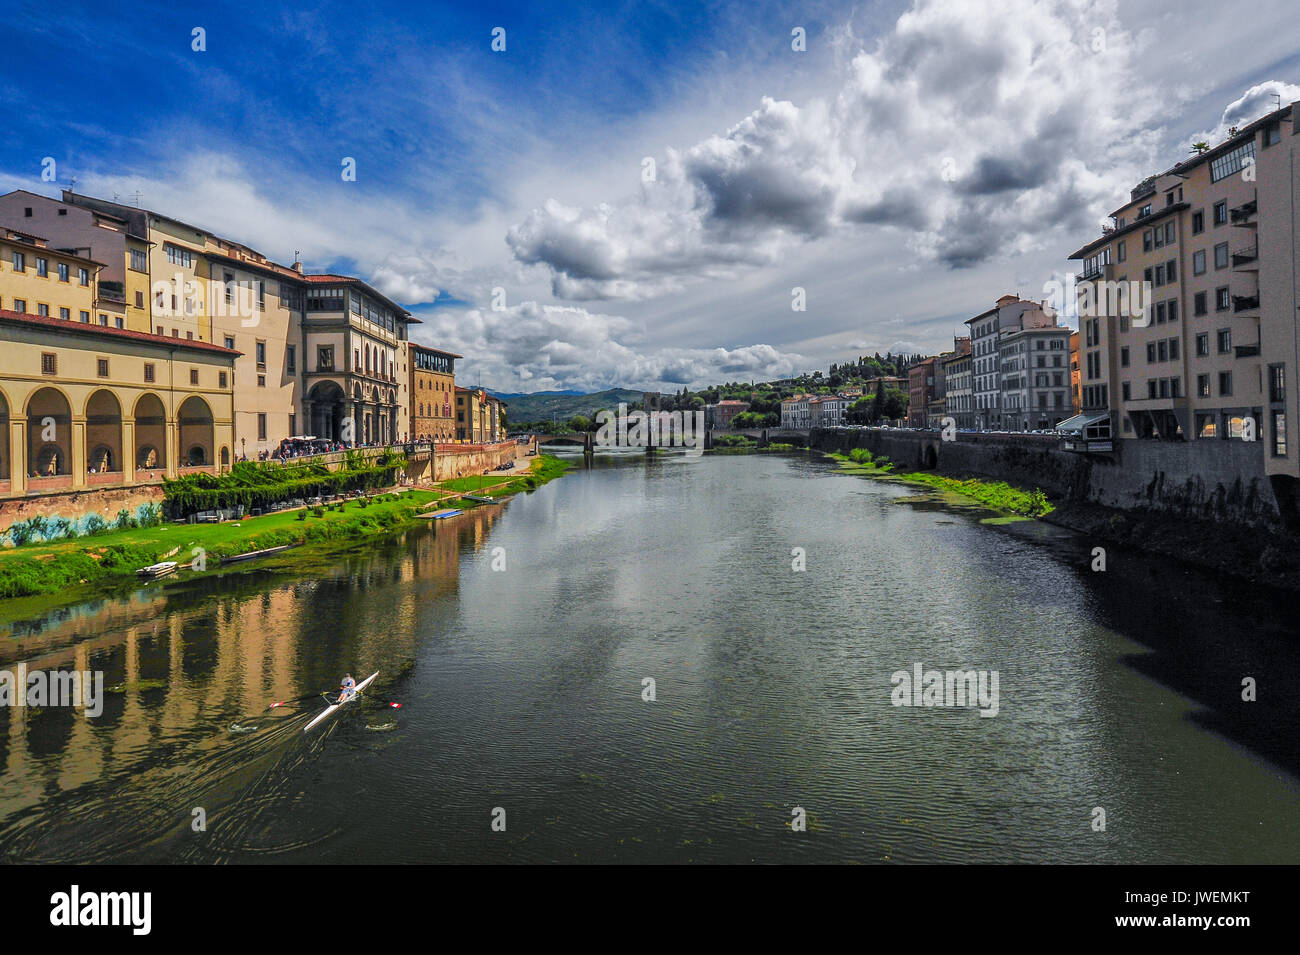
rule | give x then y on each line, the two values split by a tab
136	197
1277	96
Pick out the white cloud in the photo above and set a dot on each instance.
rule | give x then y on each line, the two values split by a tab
971	139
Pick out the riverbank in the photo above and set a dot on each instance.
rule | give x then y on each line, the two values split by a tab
74	569
997	495
1240	551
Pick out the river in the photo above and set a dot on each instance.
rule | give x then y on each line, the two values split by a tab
518	640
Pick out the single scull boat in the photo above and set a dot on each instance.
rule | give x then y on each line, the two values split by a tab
334	706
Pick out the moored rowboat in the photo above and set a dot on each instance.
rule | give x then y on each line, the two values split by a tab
161	569
334	706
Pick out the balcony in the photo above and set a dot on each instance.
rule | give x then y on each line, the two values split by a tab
1245	256
1242	214
1245	303
1245	351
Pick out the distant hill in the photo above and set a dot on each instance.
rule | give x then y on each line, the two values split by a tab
562	405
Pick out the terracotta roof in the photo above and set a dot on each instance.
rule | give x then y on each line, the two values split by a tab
65	326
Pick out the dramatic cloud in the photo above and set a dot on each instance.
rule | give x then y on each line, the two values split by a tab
1250	106
540	347
976	141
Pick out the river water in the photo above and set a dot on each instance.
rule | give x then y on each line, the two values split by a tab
518	641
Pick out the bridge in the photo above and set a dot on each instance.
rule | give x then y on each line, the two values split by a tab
763	436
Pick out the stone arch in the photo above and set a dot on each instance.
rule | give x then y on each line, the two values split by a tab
150	415
195	438
929	458
225	456
103	432
325	420
49	433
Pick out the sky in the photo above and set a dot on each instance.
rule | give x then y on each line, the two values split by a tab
640	194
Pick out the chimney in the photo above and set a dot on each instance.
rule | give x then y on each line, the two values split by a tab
297	267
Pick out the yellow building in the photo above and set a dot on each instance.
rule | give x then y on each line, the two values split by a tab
38	280
472	416
433	392
84	405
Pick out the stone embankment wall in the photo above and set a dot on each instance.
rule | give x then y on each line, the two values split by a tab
74	505
1205	480
465	460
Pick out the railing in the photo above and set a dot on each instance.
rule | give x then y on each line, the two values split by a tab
1244	211
1245	303
1242	256
1245	351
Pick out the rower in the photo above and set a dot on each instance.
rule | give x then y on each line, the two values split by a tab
348	688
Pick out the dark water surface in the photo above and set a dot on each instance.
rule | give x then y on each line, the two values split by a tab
522	689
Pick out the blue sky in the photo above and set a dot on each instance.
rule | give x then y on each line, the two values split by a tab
915	162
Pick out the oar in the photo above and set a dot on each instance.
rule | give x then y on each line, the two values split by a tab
297	699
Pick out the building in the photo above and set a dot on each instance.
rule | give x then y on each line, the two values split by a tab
1278	182
123	287
719	416
873	385
796	413
920	390
496	430
473	416
1010	313
85	405
955	373
1075	400
38	280
353	338
1035	374
433	392
1171	294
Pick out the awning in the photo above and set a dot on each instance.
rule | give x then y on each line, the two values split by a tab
1081	421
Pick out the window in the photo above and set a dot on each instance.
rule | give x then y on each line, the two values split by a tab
1198	262
103	319
261	355
1225	340
228	279
1173	349
42	267
261	381
65	314
1171	271
1279	434
1162	350
178	256
291	359
1173	310
1225	383
148	371
1233	161
139	299
1221	299
1121	253
1153	388
1151	352
324	357
1198	223
1126	391
261	426
139	261
1146	241
63	271
1277	383
160	331
230	342
49	363
1162	312
1123	357
1203	386
221	379
1200	303
119	322
101	367
42	309
1220	213
1221	255
20	262
194	376
293	424
20	305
